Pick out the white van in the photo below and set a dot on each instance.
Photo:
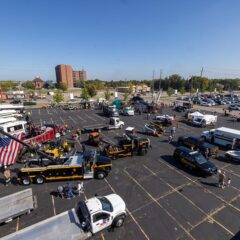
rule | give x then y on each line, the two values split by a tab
222	136
14	127
204	120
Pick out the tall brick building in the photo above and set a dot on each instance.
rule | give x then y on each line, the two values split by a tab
64	74
79	76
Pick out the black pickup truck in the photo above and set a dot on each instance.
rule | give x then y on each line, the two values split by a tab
198	144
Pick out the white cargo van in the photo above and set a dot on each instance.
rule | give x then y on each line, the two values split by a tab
223	136
204	120
14	127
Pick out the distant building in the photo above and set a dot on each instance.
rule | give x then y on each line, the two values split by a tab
38	82
79	76
64	74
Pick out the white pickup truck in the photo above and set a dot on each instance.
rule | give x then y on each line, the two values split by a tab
89	217
114	123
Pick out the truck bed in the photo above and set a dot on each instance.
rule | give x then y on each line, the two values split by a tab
63	226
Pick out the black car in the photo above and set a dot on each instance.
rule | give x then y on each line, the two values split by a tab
180	108
16	101
194	160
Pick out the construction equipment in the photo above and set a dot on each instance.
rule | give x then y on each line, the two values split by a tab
84	166
129	145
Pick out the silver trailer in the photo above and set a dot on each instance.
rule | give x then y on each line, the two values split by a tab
16	204
63	226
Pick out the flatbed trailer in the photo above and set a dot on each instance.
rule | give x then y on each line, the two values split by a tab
16	204
63	226
81	223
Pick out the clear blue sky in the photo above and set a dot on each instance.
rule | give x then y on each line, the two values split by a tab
119	39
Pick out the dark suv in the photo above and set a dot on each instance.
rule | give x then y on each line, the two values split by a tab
194	161
195	143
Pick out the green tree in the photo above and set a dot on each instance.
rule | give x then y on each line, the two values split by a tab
107	94
63	86
28	85
182	90
58	96
85	94
170	91
91	90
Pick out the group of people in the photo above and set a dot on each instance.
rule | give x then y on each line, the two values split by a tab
223	180
68	191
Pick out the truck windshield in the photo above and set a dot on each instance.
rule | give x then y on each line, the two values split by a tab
199	158
106	205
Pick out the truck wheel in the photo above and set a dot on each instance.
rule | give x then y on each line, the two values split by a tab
40	179
118	222
100	175
114	157
26	181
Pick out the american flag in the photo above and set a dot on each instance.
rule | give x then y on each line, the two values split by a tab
9	149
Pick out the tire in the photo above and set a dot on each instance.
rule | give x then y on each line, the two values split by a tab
114	157
100	175
118	222
40	179
121	126
26	181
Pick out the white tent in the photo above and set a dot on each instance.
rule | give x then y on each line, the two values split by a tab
195	114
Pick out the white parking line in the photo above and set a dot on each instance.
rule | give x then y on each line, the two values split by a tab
129	213
72	119
155	200
91	118
53	203
81	118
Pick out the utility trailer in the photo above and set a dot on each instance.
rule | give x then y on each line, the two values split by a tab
16	204
89	217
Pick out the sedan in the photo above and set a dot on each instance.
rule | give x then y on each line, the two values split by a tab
207	104
234	107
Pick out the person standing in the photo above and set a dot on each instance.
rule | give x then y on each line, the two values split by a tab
170	138
224	180
228	182
7	175
69	191
220	179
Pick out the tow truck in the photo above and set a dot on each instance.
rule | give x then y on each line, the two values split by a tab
154	129
129	145
89	217
87	165
114	123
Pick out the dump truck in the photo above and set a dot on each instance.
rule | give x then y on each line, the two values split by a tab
80	223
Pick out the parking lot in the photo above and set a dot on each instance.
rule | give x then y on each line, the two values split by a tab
164	200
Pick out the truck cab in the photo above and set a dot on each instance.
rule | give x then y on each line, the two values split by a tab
98	213
116	122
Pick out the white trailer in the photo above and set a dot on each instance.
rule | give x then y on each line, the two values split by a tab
10	113
223	136
16	204
18	108
90	217
204	120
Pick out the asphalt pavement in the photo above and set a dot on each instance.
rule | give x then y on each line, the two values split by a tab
164	200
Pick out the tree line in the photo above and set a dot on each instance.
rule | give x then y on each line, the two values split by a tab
174	81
